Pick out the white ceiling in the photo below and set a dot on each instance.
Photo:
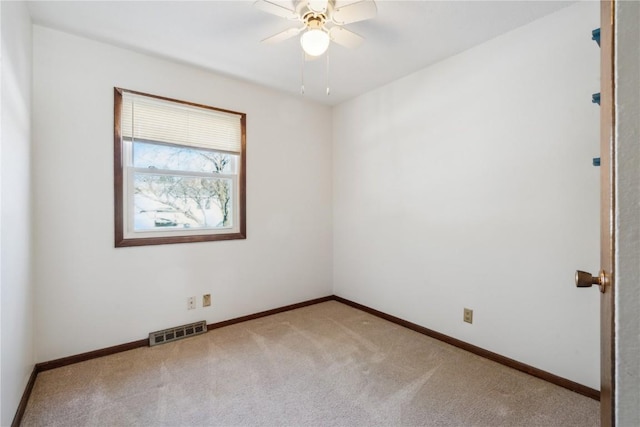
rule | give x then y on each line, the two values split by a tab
224	37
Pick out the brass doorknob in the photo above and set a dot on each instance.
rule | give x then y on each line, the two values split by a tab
586	280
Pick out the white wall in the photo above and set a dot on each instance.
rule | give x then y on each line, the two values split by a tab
627	236
91	295
469	184
16	279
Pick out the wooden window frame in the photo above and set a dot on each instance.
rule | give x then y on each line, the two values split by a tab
118	173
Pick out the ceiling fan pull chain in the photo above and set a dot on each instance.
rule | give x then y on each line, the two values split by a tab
302	74
327	74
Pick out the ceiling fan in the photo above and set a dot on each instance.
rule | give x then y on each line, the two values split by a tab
322	22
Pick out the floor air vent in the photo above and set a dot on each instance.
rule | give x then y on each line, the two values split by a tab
177	333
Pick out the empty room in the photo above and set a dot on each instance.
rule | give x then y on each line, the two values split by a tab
320	212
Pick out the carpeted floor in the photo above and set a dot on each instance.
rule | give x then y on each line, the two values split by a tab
323	365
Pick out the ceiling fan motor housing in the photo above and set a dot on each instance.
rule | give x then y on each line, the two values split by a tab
314	21
302	8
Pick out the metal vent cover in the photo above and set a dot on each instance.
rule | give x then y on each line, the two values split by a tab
177	333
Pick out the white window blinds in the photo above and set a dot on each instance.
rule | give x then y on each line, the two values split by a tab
153	119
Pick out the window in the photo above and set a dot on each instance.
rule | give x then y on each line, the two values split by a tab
179	171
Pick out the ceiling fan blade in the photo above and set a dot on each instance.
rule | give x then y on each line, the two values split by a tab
354	12
283	35
318	6
344	37
276	9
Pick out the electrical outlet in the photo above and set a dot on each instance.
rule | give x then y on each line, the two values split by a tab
206	300
191	303
468	315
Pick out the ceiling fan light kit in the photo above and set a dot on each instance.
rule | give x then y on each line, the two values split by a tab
323	23
315	42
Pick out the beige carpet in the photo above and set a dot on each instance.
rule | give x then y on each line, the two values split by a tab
323	365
